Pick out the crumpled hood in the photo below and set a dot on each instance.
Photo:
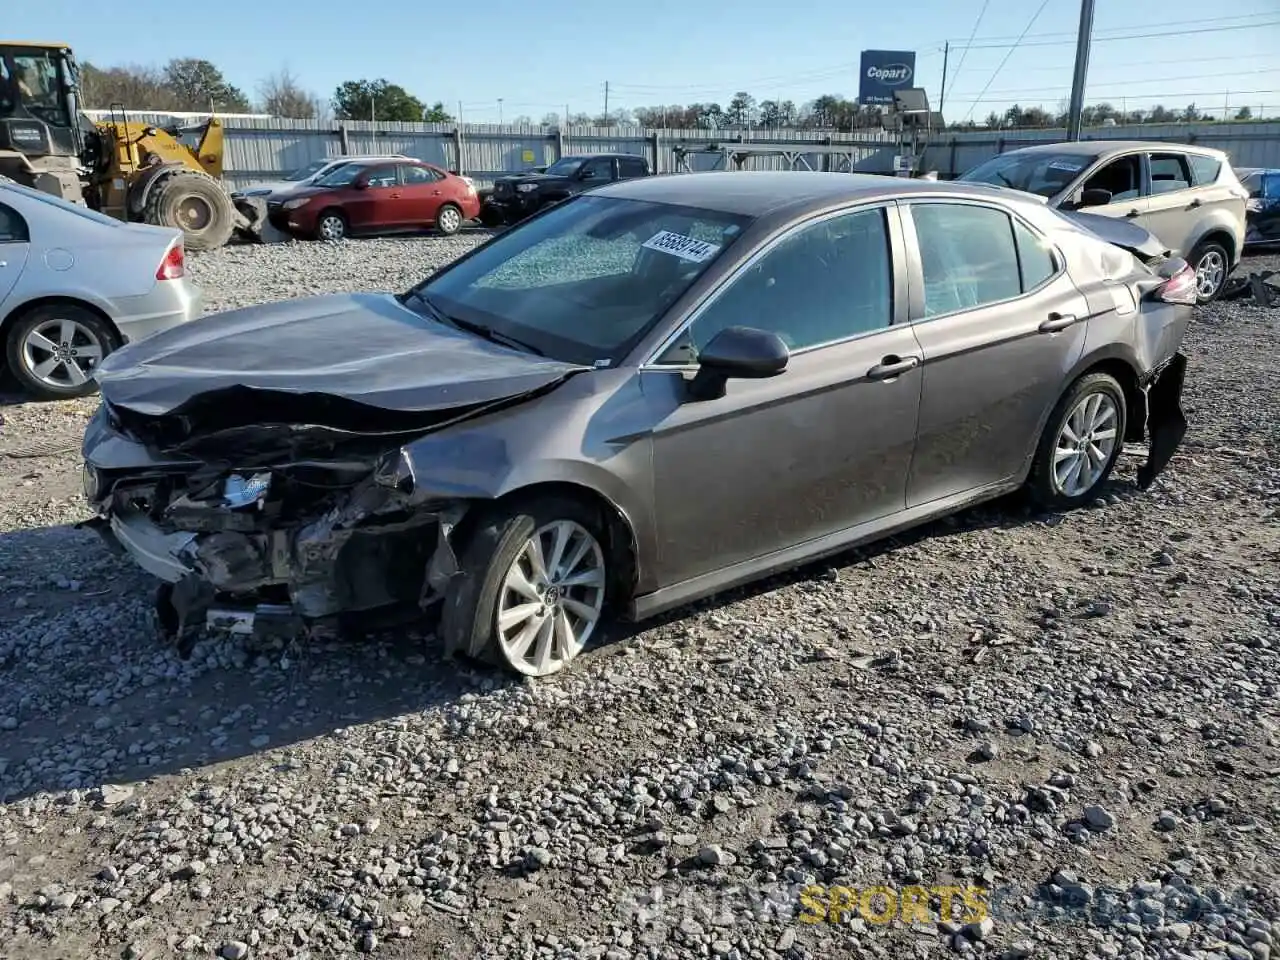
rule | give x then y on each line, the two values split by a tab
1120	233
366	349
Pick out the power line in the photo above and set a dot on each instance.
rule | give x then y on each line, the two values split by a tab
1030	23
968	43
1202	76
1134	36
1136	26
1143	96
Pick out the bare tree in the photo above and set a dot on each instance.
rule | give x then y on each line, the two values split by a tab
283	96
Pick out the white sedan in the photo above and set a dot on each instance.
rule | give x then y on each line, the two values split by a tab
75	285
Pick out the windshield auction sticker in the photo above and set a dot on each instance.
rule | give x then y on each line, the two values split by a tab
686	248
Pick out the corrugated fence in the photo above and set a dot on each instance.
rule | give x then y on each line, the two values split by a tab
263	149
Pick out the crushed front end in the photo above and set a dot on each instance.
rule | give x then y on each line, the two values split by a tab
297	540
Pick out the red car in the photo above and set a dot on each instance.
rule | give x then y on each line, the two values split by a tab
377	196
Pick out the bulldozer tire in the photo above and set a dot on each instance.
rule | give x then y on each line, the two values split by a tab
194	203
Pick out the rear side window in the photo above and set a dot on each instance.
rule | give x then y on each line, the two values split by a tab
967	255
1204	169
1169	172
13	228
411	173
632	167
1035	258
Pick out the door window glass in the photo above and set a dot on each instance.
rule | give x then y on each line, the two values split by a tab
13	228
967	255
1035	258
826	282
382	177
1204	169
1121	178
598	169
1169	173
631	167
412	174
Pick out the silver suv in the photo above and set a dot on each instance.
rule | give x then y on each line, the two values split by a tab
1189	197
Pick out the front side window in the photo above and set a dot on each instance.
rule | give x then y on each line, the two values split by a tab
1169	172
343	176
587	279
598	169
31	82
1122	178
826	282
968	256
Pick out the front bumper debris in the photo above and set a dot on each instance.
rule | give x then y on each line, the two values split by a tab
1166	420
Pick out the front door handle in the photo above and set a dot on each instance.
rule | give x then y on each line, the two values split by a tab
1132	213
1058	321
892	366
394	196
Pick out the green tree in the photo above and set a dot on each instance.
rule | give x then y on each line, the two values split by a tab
1244	113
377	100
741	111
197	85
436	113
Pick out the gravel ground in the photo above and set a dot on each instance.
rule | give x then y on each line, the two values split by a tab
1078	714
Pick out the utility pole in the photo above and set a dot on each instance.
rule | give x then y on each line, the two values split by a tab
459	113
942	95
606	102
499	111
1083	39
566	116
373	118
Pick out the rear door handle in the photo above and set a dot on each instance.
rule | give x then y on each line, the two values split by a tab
395	196
1058	321
892	366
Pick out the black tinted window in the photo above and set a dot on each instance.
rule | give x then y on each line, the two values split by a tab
13	228
1169	172
601	169
631	167
1035	258
967	256
1122	178
826	282
1204	169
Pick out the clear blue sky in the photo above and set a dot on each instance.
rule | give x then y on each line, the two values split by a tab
542	57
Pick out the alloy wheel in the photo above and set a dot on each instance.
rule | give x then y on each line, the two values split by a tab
1211	271
1085	444
61	353
332	227
551	598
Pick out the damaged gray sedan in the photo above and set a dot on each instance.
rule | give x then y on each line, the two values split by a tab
644	395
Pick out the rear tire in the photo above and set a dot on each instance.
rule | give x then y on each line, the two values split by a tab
194	203
1212	265
36	340
515	605
449	219
1080	444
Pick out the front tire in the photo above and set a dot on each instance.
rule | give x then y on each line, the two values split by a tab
331	225
1080	444
1212	264
533	587
54	349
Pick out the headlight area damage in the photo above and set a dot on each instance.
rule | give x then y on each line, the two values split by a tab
274	529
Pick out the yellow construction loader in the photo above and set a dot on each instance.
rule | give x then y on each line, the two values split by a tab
128	170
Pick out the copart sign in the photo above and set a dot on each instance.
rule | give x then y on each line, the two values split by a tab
884	71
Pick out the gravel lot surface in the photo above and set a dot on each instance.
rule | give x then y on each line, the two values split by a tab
1077	713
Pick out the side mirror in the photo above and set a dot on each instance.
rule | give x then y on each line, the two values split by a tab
743	352
1095	198
360	184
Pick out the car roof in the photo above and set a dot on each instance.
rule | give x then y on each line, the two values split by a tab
754	193
366	161
1097	148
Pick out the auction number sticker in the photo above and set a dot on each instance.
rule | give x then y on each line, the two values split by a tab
678	245
1071	166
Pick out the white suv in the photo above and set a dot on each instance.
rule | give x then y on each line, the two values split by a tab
1188	197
